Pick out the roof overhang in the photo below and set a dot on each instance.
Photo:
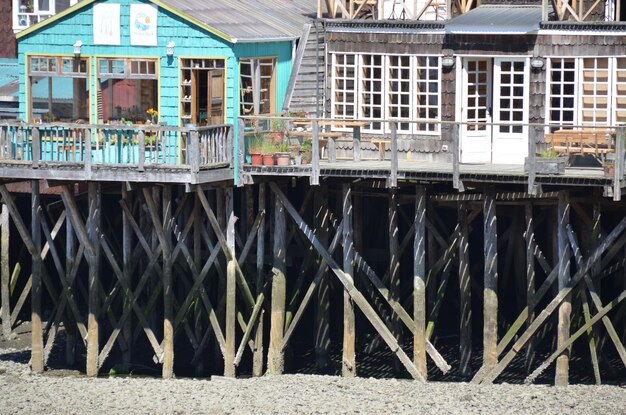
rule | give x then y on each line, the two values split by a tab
501	20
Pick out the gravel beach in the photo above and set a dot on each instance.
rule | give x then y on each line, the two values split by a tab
24	393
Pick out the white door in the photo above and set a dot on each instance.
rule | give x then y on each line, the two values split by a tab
510	141
476	111
494	91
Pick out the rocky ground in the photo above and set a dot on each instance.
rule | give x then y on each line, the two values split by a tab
66	392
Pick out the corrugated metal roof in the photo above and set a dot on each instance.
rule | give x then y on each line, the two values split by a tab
487	19
250	20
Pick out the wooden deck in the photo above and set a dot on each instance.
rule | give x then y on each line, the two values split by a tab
436	171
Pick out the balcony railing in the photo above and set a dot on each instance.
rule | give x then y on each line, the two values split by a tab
135	147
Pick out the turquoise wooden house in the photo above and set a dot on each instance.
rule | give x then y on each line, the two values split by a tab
177	62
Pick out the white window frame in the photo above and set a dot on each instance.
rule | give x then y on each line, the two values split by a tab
614	87
23	18
338	94
344	77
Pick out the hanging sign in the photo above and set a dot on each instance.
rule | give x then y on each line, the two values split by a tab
143	24
106	24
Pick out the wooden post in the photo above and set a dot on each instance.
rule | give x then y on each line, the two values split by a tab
257	360
168	286
348	367
5	298
394	261
618	177
93	225
241	152
490	296
322	300
229	355
529	236
35	147
197	257
70	260
315	155
465	289
393	157
37	272
356	142
456	154
127	260
532	152
419	282
275	358
565	308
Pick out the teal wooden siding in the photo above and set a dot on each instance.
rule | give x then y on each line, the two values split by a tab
191	41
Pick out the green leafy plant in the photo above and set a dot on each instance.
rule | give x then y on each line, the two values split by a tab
278	124
307	145
268	148
255	144
549	153
282	147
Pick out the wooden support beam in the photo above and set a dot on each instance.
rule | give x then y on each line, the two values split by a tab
356	295
419	283
93	225
5	297
127	265
165	236
465	329
257	359
552	306
393	234
36	359
565	308
275	358
348	366
321	223
529	237
490	285
231	284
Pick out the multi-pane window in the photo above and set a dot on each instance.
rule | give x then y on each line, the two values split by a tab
378	87
256	85
511	96
427	90
344	85
127	89
58	88
587	91
562	87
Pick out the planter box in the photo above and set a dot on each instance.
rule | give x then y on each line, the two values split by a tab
544	165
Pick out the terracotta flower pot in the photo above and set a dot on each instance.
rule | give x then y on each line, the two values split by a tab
282	159
256	159
268	159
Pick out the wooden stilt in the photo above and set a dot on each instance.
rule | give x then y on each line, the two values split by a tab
490	297
229	355
565	308
197	258
4	271
257	360
321	221
168	285
70	261
465	330
394	262
348	366
275	359
93	224
37	271
127	270
529	237
419	283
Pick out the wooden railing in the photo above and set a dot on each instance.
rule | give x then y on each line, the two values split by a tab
132	146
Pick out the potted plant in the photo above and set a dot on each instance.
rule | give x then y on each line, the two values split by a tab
268	153
547	162
282	153
278	126
608	166
255	148
305	150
